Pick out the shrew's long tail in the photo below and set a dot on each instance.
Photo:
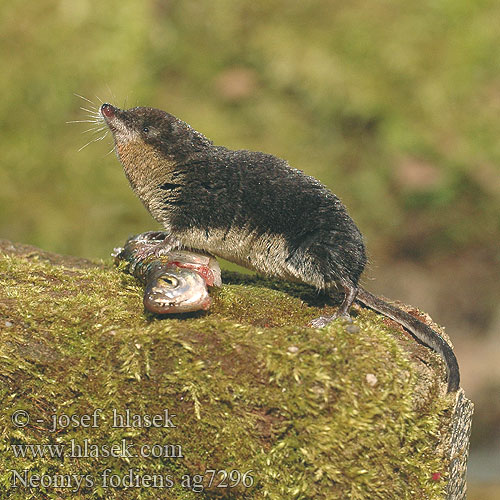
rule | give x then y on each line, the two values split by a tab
419	330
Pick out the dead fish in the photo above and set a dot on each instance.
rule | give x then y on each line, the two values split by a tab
175	282
174	290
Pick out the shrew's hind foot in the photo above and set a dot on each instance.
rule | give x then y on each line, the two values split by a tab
324	320
343	311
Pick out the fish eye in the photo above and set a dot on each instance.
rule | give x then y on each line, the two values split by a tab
168	281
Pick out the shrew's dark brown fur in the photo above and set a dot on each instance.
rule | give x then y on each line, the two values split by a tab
250	208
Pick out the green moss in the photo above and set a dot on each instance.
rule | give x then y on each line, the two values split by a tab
252	388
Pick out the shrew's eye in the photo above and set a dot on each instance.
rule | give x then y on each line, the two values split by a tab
145	129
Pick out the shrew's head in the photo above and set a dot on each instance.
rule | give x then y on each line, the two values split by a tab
154	148
140	129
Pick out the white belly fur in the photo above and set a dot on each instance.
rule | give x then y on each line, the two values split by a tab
263	253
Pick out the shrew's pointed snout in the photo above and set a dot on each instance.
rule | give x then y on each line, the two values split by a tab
108	111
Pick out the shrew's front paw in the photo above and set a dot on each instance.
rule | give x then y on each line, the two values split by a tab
153	251
148	246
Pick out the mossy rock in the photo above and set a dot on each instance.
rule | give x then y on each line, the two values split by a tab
351	411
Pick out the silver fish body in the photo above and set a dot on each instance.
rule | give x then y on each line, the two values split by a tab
176	281
174	290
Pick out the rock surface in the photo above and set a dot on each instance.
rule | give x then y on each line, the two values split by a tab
286	410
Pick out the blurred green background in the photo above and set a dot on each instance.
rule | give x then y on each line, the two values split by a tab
395	106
